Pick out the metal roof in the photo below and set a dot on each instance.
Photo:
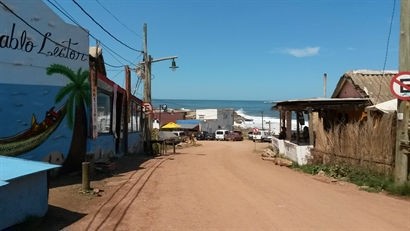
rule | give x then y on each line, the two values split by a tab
188	126
371	84
11	168
322	103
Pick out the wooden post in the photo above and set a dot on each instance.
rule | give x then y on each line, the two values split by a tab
127	107
311	126
288	117
85	176
147	90
403	107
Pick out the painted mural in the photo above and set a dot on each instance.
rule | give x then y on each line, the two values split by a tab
44	90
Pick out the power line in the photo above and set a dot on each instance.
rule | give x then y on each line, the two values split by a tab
124	25
387	49
106	31
71	18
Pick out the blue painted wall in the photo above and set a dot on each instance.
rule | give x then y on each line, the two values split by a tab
18	103
23	197
135	144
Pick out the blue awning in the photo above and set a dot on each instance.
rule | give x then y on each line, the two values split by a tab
11	168
196	122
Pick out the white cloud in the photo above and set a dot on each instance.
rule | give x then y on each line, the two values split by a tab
303	52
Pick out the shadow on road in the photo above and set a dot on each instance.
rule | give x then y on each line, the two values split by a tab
56	218
122	165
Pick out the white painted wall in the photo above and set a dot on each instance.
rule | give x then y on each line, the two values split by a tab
297	153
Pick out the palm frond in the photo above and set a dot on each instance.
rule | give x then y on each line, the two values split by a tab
63	70
84	76
64	92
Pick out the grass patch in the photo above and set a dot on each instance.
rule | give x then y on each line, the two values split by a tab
376	182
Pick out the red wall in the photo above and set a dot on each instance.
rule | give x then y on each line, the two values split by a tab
349	91
167	117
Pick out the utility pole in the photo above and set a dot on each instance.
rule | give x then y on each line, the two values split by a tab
324	84
403	107
147	92
262	119
147	87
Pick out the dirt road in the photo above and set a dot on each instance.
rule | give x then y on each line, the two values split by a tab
226	186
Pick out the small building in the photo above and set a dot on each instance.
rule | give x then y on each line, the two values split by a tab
354	94
214	119
295	142
374	85
164	117
23	190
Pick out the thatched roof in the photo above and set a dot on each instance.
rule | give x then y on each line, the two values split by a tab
374	85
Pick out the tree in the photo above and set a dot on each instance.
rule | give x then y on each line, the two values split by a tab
77	95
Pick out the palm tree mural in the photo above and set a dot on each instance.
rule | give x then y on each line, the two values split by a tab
77	95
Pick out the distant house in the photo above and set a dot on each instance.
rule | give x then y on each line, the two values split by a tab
164	117
214	119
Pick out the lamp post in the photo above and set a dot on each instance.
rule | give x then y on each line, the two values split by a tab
148	60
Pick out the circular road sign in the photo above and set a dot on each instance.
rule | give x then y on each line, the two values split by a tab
147	107
400	85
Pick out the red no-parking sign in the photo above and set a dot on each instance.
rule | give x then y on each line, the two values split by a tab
400	85
147	107
255	130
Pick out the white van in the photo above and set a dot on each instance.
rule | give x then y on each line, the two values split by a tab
220	134
263	135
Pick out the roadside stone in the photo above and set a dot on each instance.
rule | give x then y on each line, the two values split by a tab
283	162
321	173
364	187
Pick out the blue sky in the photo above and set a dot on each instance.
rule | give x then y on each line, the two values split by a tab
243	49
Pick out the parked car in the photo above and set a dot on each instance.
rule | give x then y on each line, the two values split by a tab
201	135
220	134
262	135
180	134
250	135
267	136
234	136
210	136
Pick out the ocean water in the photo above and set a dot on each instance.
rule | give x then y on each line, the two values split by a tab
251	110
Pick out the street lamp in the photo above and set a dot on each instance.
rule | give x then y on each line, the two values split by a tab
173	65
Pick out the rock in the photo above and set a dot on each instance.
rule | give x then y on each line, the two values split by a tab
364	187
283	162
321	173
269	152
269	159
96	191
264	154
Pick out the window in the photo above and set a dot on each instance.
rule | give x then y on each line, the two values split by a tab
134	123
103	113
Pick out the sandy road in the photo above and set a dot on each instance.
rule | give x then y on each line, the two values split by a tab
226	186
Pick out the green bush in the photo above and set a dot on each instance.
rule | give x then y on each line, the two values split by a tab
376	182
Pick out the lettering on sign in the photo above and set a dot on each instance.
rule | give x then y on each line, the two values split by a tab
20	41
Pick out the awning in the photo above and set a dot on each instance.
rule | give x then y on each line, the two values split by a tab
386	107
171	125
